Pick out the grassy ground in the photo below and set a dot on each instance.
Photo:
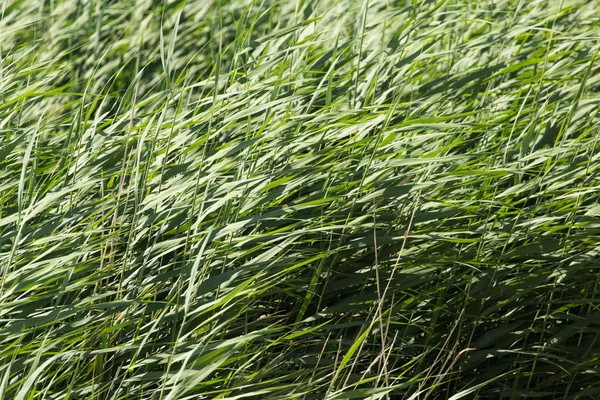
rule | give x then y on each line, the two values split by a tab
311	199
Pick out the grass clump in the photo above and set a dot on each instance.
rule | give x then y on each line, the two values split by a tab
299	199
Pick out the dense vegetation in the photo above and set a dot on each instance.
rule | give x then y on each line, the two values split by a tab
308	199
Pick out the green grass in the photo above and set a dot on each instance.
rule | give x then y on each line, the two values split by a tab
306	199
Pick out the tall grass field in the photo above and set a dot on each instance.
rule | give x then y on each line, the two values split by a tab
299	199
